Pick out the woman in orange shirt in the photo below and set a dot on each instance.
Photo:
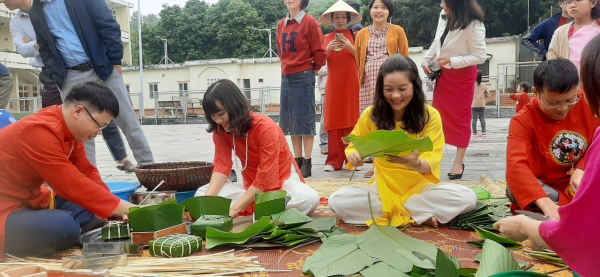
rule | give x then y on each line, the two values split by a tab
266	161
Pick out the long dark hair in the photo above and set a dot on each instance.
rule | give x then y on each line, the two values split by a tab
590	69
416	115
595	10
230	96
479	77
462	13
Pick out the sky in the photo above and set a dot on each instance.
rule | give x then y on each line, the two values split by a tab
154	6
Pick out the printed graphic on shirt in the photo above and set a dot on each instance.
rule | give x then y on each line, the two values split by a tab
567	147
291	41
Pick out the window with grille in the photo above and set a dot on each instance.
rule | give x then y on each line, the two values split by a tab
211	81
153	90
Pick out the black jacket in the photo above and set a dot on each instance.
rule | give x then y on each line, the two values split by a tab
99	32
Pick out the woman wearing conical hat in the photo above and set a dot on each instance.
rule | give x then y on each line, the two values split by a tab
341	93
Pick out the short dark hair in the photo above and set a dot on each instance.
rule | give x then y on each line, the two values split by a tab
462	13
304	4
230	96
95	96
556	76
526	87
388	4
416	115
590	69
355	5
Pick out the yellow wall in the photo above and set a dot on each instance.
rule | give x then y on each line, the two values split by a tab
6	41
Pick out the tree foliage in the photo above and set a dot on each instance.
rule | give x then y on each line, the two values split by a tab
226	29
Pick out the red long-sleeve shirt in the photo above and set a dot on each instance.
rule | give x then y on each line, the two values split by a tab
300	45
40	148
540	148
269	161
521	99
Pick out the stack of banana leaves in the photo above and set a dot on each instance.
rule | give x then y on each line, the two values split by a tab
486	213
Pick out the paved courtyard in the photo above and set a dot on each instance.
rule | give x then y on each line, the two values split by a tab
173	143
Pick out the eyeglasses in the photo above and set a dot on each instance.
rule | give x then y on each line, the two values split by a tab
100	128
569	2
569	102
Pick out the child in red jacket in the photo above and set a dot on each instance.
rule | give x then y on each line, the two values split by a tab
522	95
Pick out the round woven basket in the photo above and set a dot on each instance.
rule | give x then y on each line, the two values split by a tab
179	176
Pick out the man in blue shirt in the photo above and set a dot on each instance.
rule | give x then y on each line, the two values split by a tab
6	86
26	45
545	30
81	41
25	41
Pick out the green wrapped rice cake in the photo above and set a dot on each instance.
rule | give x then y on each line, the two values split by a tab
217	222
116	230
175	245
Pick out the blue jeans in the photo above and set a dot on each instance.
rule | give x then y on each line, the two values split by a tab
43	232
298	112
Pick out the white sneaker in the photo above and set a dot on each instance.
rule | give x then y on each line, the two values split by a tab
359	168
329	168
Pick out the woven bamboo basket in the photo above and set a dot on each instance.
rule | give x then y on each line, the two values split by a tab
179	176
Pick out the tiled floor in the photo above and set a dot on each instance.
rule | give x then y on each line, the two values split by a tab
171	143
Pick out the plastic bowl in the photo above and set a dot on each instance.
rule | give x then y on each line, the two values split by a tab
184	195
122	188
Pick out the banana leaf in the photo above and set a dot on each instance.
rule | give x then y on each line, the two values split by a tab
207	205
266	204
417	261
299	241
487	235
481	193
382	243
382	142
444	266
215	238
219	222
420	272
339	255
381	270
156	217
336	231
291	218
467	272
321	224
278	233
495	259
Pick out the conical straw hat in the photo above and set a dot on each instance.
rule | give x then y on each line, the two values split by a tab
340	6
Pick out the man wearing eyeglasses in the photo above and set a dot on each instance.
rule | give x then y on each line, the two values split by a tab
545	30
48	148
548	140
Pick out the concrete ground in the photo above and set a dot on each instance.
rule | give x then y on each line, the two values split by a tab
173	143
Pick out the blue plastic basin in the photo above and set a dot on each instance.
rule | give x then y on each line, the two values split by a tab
122	188
184	195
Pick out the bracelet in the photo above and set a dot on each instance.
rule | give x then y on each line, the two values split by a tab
418	167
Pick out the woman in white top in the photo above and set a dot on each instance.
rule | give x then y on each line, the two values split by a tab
458	49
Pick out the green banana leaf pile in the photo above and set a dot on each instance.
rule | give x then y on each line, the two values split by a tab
268	203
209	211
485	214
290	227
156	217
382	142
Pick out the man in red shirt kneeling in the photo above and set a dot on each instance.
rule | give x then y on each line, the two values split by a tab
48	148
547	141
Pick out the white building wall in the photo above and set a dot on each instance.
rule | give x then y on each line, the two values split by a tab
200	73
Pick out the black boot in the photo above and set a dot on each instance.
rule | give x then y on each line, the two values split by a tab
306	168
299	162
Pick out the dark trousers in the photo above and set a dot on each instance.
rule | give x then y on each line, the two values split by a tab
478	113
43	232
50	94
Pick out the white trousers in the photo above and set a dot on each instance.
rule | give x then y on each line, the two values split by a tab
302	196
442	201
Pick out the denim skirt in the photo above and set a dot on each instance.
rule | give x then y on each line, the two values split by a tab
297	114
